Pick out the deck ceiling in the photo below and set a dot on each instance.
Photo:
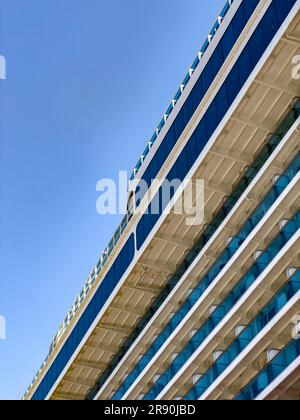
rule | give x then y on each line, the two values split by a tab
258	114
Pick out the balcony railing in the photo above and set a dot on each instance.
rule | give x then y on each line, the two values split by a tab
249	175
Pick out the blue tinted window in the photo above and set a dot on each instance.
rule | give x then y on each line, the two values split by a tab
197	92
283	7
239	22
191	151
211	119
206	78
179	124
154	171
222	102
188	109
231	87
163	153
171	141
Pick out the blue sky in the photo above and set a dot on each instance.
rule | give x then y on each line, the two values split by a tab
87	82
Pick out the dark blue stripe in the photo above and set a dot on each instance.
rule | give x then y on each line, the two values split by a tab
261	39
205	80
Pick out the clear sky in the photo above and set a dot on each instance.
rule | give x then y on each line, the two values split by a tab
87	83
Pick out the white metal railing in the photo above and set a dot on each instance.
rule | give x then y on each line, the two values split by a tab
102	263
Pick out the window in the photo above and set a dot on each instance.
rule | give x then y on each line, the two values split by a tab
257	44
283	8
217	59
179	124
105	289
274	17
249	7
189	109
245	64
211	119
270	24
197	92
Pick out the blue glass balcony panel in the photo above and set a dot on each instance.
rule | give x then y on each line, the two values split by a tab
270	145
83	324
224	308
108	285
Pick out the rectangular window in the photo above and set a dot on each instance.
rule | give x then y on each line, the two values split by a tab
271	24
189	109
179	124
